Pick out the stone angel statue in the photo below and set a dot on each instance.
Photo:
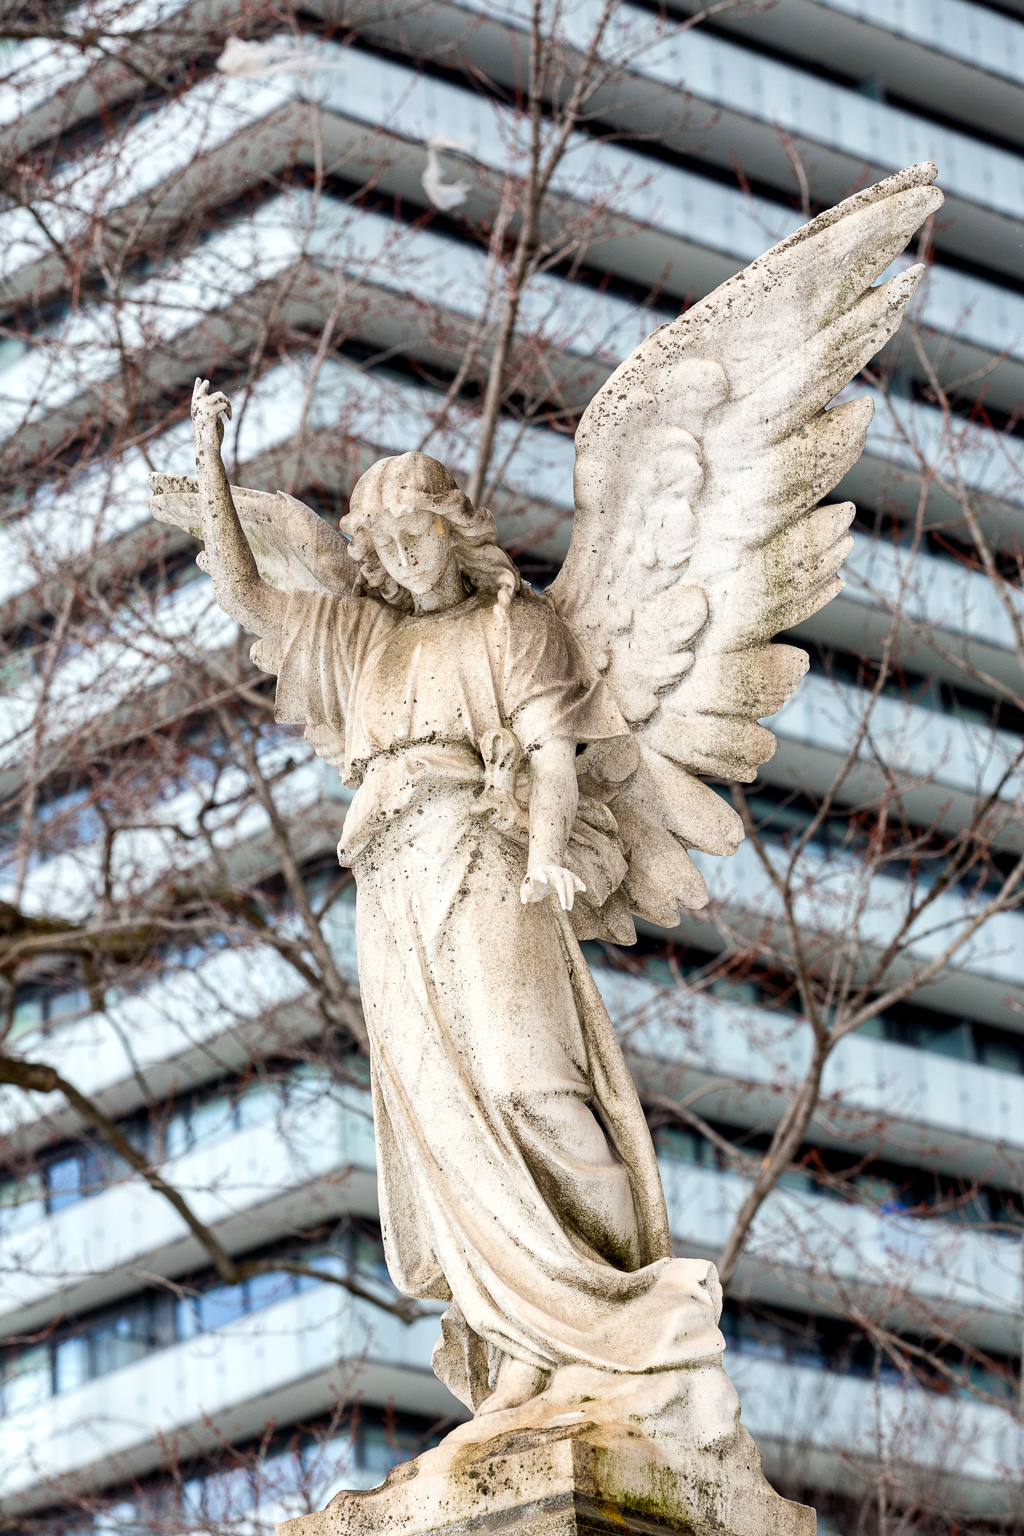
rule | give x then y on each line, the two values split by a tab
528	772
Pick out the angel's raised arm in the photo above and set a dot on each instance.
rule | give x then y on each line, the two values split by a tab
261	546
241	590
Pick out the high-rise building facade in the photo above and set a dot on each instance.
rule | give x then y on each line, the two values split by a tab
308	210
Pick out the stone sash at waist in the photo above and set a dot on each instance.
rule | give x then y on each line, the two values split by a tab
395	780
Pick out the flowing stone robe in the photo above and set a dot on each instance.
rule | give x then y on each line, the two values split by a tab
517	1176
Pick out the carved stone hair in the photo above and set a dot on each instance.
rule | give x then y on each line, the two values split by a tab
408	481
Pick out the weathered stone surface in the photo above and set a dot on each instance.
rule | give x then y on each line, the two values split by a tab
563	1479
528	774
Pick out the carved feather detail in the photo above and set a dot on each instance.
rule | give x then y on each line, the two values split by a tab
698	534
294	548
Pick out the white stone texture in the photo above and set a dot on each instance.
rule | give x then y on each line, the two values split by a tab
527	772
572	1469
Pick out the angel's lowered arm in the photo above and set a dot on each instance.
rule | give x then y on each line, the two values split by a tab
554	796
240	588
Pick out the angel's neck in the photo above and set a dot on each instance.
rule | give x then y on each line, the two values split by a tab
448	593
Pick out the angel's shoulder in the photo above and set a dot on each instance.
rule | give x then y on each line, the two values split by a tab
539	628
534	612
343	608
315	622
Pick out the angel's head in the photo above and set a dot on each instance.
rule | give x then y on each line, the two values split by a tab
410	524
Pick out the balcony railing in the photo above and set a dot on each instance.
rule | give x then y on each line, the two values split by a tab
227	1384
704	228
313	1162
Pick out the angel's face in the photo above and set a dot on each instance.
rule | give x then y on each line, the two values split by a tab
413	547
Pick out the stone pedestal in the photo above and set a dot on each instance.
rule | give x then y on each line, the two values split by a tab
563	1479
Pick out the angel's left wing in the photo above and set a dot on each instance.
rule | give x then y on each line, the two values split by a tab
294	549
698	534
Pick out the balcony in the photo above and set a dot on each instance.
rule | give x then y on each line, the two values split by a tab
741	1064
907	438
986	979
59	86
695	230
236	1000
965	55
815	1252
228	1384
286	257
217	1386
715	99
945	766
967	1116
384	415
939	596
833	1430
296	1168
290	1169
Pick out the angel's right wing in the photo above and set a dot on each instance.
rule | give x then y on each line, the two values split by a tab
294	549
700	466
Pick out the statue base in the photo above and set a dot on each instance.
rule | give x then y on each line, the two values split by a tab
573	1472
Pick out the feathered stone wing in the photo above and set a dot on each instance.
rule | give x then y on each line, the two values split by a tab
294	549
698	534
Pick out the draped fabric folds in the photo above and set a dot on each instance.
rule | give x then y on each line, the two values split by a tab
517	1177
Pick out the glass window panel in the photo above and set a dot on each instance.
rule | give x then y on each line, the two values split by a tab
957	1041
368	1254
259	1102
64	1182
70	1364
760	1331
229	1494
22	1201
806	1355
163	1327
330	1467
1004	1057
67	1005
745	992
119	1519
212	1119
381	1449
975	1210
217	1308
279	1477
27	1380
115	1346
995	1383
685	1146
28	1015
326	1457
765	1348
877	1191
192	1495
176	1136
307	1084
330	1260
266	1290
99	1169
793	1178
138	1133
186	1318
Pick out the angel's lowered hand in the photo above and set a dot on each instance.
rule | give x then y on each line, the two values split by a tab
551	880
